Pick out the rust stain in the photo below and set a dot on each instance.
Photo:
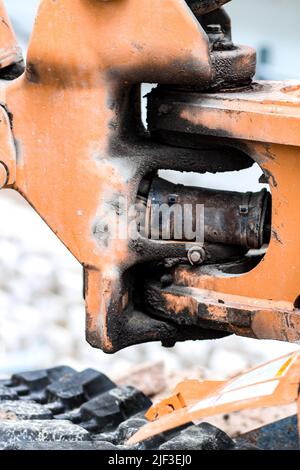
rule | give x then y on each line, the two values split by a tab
180	304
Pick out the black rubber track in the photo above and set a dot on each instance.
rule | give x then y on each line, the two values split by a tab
59	408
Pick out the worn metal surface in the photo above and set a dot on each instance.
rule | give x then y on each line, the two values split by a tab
229	218
205	308
266	112
202	7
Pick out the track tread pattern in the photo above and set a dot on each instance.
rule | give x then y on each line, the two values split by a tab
62	409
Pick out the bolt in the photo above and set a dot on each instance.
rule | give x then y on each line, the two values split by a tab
172	199
166	280
3	175
244	210
214	29
218	40
196	255
164	109
264	179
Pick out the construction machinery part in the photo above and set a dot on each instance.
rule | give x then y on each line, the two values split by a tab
229	218
71	127
264	122
272	384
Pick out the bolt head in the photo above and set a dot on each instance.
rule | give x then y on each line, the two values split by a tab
196	255
172	199
214	28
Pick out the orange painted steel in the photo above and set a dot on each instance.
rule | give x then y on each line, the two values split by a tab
272	384
10	52
185	393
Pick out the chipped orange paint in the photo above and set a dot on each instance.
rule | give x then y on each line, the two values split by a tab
231	300
178	304
263	319
217	313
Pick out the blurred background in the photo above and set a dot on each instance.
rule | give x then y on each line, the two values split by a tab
42	318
